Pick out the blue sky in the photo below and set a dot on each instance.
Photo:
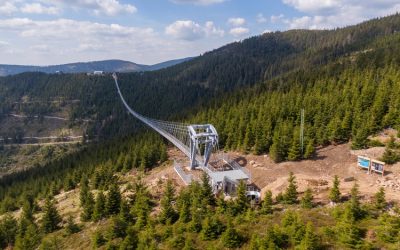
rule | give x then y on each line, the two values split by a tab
45	32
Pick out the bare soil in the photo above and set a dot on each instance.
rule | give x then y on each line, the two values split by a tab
317	173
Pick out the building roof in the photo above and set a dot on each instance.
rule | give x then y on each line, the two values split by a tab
236	174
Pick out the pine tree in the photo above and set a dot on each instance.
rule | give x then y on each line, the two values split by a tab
307	199
51	218
290	196
8	230
184	212
113	201
266	206
334	194
294	151
360	141
355	207
206	190
168	212
29	239
390	156
380	202
124	212
88	207
71	226
99	210
276	151
310	241
130	241
231	238
241	202
310	149
98	240
211	228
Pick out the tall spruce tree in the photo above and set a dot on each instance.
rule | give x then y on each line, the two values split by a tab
168	212
334	194
99	210
113	201
266	206
290	196
380	201
307	199
51	218
241	202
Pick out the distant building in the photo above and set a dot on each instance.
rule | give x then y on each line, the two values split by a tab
98	73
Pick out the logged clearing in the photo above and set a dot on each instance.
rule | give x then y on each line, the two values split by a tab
317	173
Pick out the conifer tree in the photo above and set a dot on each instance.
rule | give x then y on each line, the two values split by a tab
390	156
88	207
231	238
113	201
290	196
99	211
334	194
211	228
276	151
355	202
168	212
71	226
310	241
29	239
310	149
124	212
380	201
130	241
294	151
241	199
184	212
266	206
8	231
51	218
360	141
307	199
206	190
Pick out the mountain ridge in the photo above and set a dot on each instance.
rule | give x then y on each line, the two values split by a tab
112	65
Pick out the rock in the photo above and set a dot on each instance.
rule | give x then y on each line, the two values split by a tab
252	162
348	179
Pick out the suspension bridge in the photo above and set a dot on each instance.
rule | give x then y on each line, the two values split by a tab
198	142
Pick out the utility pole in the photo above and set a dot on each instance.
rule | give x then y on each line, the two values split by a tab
302	132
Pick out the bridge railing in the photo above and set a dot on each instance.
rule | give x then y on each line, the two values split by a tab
186	178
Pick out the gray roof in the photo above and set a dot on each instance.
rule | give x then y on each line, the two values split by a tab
236	174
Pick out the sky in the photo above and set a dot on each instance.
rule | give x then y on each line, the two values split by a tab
47	32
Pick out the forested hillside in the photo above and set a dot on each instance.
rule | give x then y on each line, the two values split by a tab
169	93
347	80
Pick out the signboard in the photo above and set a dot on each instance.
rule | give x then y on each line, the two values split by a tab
364	162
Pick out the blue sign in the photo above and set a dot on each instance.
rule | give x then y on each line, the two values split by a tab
364	163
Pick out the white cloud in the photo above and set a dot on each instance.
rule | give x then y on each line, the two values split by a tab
314	5
3	43
261	18
7	7
198	2
189	30
210	29
66	38
236	21
322	14
278	18
98	7
44	42
239	31
37	8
